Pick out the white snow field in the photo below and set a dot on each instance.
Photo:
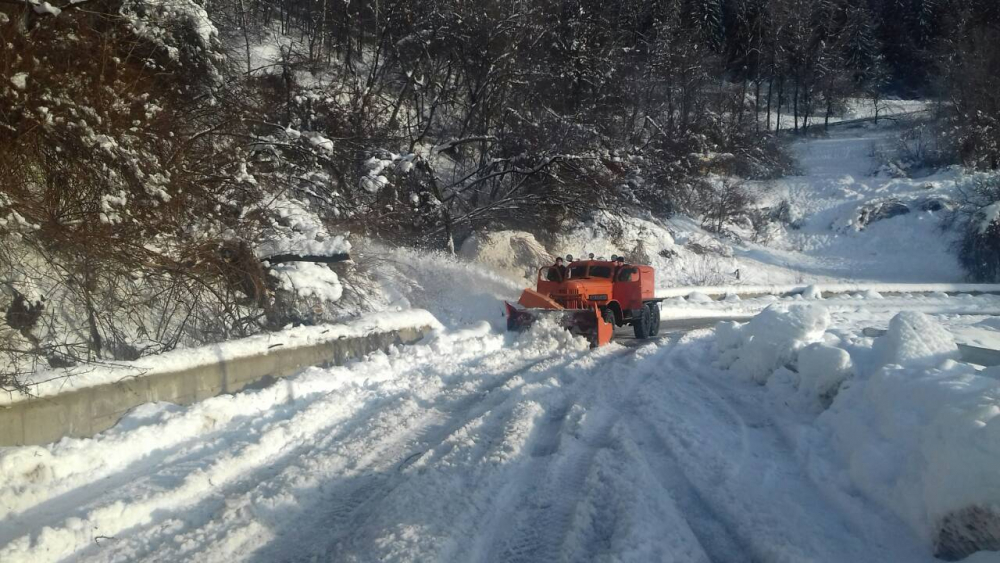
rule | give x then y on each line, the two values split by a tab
791	437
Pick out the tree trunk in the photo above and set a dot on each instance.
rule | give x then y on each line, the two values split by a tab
770	89
795	104
829	110
246	34
756	105
781	101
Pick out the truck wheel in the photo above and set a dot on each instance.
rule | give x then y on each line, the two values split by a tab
608	315
642	323
654	315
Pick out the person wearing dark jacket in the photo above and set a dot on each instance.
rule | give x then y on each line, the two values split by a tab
559	270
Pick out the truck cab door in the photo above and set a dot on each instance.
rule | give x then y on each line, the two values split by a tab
549	280
627	287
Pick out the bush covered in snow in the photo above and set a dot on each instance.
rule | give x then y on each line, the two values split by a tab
979	218
135	190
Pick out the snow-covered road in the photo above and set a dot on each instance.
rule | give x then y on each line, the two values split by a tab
477	446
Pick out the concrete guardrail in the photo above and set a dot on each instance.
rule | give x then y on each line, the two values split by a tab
978	355
718	293
82	413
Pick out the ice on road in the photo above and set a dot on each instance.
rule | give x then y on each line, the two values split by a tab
473	446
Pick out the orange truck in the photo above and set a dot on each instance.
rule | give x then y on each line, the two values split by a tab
591	299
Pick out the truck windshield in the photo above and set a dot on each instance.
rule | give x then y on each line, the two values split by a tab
626	274
600	271
578	271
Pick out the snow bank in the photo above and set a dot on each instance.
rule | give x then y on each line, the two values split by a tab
924	442
905	424
913	339
771	340
53	382
515	254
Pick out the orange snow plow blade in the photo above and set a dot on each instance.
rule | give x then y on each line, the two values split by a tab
585	322
531	299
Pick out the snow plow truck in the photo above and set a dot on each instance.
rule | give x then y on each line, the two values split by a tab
591	299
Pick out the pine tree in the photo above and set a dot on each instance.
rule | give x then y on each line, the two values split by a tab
704	19
861	48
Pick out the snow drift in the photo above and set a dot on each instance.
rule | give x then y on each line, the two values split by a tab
906	425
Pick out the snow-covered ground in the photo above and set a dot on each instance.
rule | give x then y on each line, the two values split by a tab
479	445
851	217
793	437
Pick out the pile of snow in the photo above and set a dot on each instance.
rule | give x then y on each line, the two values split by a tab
822	370
924	442
812	292
770	340
914	340
548	334
635	238
515	254
921	436
904	423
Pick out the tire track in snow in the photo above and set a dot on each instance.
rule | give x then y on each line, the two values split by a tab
686	395
544	513
172	503
168	492
190	433
340	510
713	529
96	486
368	481
546	440
548	513
751	487
354	504
361	508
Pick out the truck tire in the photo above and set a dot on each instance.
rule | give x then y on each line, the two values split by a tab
642	323
654	315
608	315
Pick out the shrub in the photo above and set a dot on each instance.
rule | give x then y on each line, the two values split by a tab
979	220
